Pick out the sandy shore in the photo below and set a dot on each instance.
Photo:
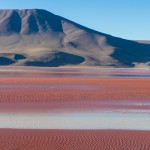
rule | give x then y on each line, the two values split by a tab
11	139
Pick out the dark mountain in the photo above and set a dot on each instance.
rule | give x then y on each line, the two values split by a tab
35	37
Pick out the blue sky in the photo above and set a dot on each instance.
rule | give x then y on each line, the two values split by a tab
128	19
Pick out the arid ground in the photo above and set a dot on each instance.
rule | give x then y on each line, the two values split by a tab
78	108
74	140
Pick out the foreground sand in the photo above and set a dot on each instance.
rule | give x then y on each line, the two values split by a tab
11	139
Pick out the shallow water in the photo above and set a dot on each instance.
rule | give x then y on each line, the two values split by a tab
19	110
88	120
75	72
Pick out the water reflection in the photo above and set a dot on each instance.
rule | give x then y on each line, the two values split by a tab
75	72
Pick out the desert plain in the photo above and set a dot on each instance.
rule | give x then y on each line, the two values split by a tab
74	108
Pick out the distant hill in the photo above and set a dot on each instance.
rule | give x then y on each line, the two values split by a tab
142	41
35	37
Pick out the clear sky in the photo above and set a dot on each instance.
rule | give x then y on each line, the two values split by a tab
128	19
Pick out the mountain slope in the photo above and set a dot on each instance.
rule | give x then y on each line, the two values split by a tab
41	38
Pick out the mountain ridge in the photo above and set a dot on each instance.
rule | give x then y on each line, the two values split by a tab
45	39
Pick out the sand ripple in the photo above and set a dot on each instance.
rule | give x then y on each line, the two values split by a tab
11	139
